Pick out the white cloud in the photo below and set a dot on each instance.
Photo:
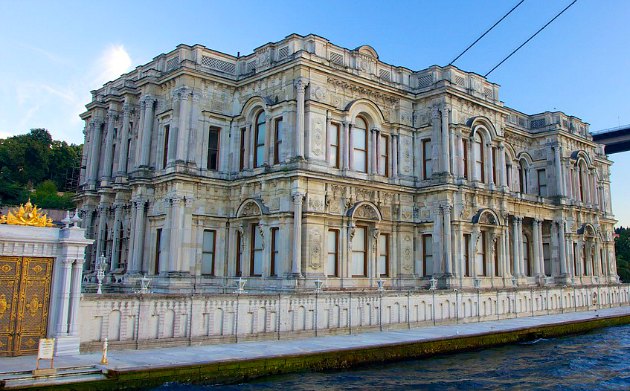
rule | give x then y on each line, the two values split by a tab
113	62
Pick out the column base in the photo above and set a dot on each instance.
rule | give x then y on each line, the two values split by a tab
67	345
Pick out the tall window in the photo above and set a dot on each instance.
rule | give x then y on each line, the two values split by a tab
359	145
256	252
259	140
207	252
547	259
213	148
479	173
277	136
332	262
242	149
383	255
333	145
508	175
427	165
167	131
239	253
522	176
528	266
359	252
465	157
383	155
427	255
580	180
542	182
494	165
274	251
158	251
496	258
481	256
575	254
467	255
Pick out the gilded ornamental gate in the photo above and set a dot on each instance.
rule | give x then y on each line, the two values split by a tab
24	300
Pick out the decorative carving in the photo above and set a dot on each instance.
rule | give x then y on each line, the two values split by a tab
3	305
34	305
26	214
315	204
316	249
251	209
366	212
318	138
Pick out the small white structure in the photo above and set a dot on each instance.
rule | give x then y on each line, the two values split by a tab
40	274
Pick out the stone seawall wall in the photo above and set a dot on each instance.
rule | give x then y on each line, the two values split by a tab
151	320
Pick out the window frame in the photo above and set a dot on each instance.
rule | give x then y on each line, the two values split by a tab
167	131
426	158
277	139
274	250
364	251
383	155
365	153
217	149
253	251
425	253
158	251
333	143
243	148
213	252
335	253
259	148
386	255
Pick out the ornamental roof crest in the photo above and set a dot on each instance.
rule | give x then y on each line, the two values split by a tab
26	214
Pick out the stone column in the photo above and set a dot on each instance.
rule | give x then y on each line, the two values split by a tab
124	146
112	115
536	247
175	234
345	147
116	236
516	246
438	245
296	264
148	104
561	192
300	86
102	222
395	155
184	128
502	174
445	142
64	298
521	250
135	265
249	145
597	267
436	159
75	297
195	137
95	126
374	152
268	144
562	246
448	266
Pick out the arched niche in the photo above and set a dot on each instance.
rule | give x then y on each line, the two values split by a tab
365	210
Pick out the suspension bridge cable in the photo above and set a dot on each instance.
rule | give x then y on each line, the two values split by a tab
487	31
530	38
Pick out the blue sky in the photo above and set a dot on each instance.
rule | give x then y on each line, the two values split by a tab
54	52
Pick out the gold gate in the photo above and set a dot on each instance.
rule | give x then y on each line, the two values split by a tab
24	301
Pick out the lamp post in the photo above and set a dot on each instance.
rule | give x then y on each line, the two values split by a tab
101	266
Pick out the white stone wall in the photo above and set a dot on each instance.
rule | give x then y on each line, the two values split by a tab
153	319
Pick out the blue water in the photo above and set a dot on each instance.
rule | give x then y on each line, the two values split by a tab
599	360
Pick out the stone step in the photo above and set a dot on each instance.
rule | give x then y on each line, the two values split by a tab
25	379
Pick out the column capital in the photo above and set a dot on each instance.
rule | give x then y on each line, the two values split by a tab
298	197
435	112
301	84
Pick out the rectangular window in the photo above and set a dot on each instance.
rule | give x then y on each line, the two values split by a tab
242	151
359	252
495	247
259	144
274	251
542	182
256	253
359	146
383	255
239	253
383	158
277	136
214	139
508	174
158	251
465	145
467	255
575	254
427	255
494	166
427	165
167	131
528	266
207	252
481	256
547	259
479	160
333	145
332	263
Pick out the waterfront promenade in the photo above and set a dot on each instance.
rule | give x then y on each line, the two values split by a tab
249	359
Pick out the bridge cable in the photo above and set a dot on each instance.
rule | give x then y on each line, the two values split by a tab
487	31
530	38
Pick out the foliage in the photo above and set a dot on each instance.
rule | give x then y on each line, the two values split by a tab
32	160
622	249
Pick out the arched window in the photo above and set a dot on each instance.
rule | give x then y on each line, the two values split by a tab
479	173
259	140
522	176
359	145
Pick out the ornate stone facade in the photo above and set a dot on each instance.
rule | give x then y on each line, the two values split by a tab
306	161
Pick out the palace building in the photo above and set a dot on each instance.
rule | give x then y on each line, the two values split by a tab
306	161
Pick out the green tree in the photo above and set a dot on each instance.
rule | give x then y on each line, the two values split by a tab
622	250
46	196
